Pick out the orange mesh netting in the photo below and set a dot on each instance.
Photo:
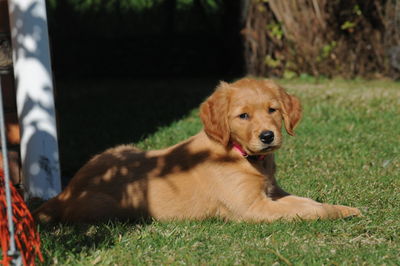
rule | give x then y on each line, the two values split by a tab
26	237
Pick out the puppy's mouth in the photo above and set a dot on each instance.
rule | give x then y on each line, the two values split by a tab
267	149
263	151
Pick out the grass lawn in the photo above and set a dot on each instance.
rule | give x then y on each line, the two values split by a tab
347	151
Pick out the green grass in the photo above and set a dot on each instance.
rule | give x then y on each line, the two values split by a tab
347	151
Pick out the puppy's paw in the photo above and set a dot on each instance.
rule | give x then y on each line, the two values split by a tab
346	212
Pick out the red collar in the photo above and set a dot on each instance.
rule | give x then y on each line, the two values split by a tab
240	149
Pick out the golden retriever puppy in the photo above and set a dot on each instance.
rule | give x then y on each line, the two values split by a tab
226	170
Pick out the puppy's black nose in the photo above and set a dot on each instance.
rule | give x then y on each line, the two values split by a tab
267	137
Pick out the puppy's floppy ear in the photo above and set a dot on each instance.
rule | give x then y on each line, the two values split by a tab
214	114
291	111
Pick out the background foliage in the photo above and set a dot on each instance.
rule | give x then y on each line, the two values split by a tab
288	38
345	38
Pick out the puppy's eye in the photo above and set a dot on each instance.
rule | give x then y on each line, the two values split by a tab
244	116
271	110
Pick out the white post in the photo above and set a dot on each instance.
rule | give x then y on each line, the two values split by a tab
35	99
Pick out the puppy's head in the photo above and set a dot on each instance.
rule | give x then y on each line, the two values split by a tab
250	112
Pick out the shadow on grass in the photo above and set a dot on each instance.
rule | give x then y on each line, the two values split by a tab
100	113
76	239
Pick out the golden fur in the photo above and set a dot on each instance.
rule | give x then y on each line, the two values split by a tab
202	176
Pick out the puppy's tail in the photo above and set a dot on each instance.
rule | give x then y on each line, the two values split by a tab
49	212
